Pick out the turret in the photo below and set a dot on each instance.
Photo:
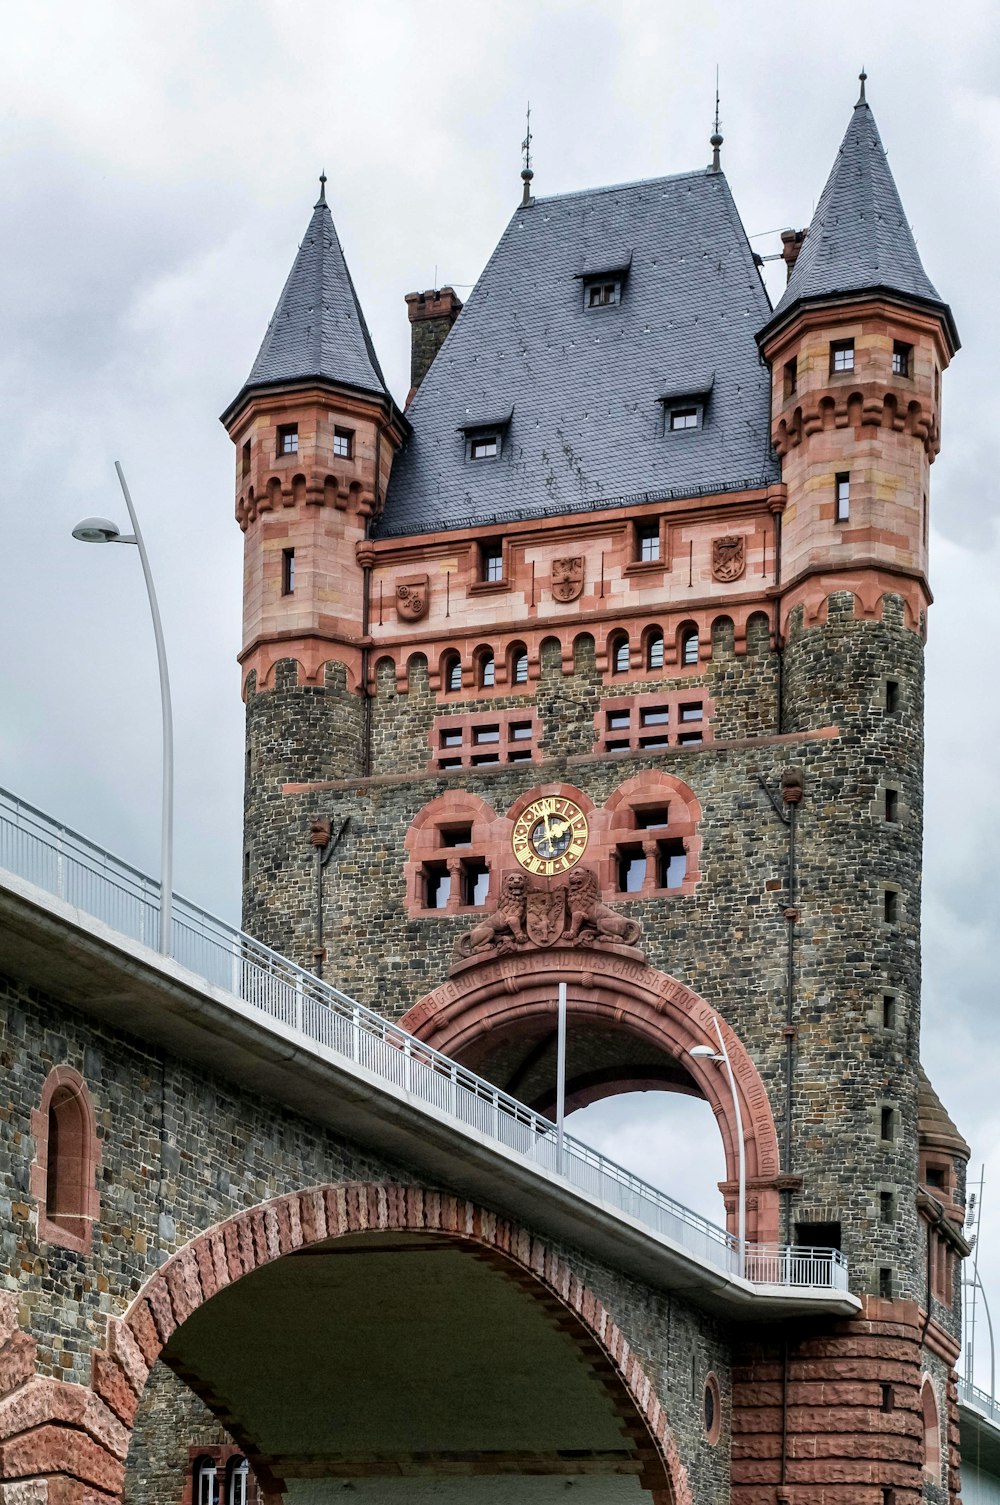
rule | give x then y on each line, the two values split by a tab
856	346
315	430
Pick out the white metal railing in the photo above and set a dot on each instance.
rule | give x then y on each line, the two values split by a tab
67	865
981	1400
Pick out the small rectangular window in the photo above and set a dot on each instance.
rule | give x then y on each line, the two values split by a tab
657	740
683	418
887	1124
841	355
288	439
690	739
891	696
451	739
892	805
487	448
885	1283
491	561
287	571
449	762
843	493
246	458
246	867
654	715
482	760
693	711
619	721
456	836
886	1207
343	443
888	1495
521	731
818	1235
631	870
888	1397
602	294
935	1177
888	1011
671	862
437	887
652	817
647	542
890	903
483	734
902	358
475	882
791	377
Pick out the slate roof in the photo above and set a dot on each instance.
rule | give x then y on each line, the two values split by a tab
859	239
318	330
586	387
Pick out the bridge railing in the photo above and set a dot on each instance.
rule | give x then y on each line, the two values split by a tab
981	1400
67	865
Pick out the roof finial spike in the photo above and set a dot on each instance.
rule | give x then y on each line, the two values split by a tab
861	97
322	190
716	137
526	172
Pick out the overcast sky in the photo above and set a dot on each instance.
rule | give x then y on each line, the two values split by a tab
159	168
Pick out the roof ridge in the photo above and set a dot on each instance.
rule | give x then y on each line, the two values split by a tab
583	193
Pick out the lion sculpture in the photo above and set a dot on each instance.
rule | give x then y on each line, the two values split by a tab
504	928
592	922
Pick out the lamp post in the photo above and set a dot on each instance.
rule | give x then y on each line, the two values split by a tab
721	1056
100	530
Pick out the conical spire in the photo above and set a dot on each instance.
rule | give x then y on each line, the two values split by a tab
859	240
318	330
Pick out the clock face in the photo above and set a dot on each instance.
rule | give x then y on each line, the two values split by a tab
550	835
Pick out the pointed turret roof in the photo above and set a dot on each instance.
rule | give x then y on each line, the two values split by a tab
318	331
859	240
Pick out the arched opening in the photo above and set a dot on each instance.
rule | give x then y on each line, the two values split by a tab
653	647
631	1031
485	668
932	1430
451	673
619	654
361	1299
517	661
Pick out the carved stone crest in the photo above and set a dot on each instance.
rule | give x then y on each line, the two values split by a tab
570	914
729	558
412	597
546	915
567	578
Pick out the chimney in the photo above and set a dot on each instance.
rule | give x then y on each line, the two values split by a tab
431	316
791	245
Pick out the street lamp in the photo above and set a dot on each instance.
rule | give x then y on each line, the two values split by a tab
721	1056
100	530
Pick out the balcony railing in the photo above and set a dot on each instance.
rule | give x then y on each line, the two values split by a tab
68	866
979	1400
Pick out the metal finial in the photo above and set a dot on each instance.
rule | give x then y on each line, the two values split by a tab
322	189
861	97
715	140
526	172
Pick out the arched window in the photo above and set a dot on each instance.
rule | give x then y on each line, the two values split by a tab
487	670
206	1483
654	649
452	848
237	1480
689	645
932	1430
619	654
518	664
451	674
62	1176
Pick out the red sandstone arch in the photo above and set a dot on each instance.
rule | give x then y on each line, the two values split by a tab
513	992
80	1437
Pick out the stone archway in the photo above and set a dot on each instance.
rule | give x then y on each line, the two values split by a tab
67	1444
488	998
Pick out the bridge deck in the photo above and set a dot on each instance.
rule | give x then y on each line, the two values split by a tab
83	926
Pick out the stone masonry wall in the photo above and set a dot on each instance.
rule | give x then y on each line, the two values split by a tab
727	940
183	1148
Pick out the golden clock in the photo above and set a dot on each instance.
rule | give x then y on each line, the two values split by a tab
550	835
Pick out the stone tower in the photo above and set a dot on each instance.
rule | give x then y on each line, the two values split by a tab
314	429
610	651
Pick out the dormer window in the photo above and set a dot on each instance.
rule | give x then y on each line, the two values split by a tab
484	433
602	294
288	439
685	403
684	418
485	448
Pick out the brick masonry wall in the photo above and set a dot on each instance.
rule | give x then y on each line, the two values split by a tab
183	1148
